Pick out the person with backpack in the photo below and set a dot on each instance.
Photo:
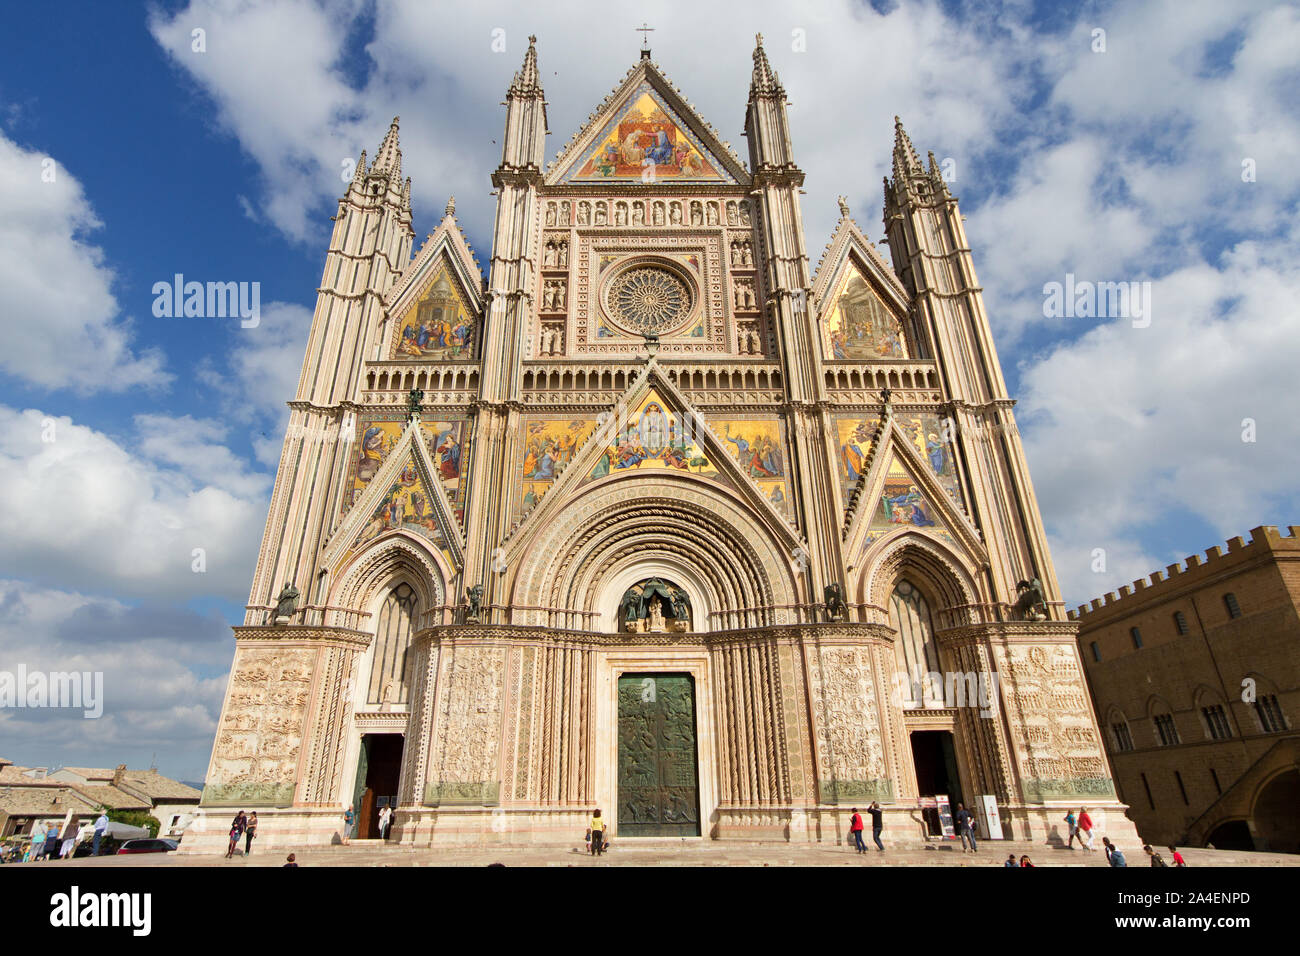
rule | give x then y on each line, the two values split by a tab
1072	828
855	827
1156	858
349	824
966	828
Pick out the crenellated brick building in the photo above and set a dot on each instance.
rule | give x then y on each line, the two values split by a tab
1195	675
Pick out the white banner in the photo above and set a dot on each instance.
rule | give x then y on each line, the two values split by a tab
992	822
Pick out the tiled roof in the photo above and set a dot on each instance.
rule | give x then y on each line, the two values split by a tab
111	797
42	801
158	787
90	773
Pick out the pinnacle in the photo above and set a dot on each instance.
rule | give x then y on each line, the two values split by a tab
450	211
764	81
905	159
389	158
526	78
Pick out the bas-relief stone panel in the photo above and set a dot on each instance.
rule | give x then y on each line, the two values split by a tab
845	711
1051	724
464	766
260	738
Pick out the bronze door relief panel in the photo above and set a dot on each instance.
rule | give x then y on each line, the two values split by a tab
658	787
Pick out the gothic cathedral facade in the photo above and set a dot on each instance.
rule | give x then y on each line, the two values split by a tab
659	518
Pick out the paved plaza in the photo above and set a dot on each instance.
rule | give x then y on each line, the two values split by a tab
679	853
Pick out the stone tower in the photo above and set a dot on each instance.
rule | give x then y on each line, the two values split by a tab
659	518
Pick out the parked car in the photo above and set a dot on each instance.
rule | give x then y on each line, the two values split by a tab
148	846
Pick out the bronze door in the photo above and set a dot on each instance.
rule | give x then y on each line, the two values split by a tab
658	791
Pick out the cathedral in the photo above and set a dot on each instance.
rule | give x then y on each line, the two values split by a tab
664	517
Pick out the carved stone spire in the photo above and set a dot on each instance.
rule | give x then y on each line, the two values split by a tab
450	211
389	158
526	78
360	174
765	80
906	162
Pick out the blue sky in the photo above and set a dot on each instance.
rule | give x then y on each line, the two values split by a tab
1120	164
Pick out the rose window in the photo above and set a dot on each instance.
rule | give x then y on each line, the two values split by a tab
649	299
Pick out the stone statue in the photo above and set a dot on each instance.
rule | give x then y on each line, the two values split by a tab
287	602
656	615
680	609
884	397
844	207
413	400
834	597
1032	603
631	607
475	598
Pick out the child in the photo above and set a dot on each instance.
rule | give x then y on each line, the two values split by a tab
1177	857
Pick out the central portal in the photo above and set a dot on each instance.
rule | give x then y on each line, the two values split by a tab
658	790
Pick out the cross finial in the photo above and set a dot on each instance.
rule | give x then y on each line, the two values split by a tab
645	31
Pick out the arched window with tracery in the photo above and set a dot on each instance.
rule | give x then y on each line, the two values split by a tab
914	647
388	668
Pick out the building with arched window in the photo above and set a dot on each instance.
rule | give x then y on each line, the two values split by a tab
1211	694
659	517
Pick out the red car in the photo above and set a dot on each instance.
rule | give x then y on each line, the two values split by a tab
147	846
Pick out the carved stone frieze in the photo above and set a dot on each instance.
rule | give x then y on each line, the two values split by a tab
256	756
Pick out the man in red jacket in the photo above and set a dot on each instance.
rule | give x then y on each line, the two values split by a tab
1085	828
855	827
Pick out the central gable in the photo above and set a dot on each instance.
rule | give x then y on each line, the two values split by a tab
645	132
645	138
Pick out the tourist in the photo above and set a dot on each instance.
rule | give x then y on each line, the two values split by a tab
1117	857
855	827
1085	829
69	840
385	818
1072	828
597	834
1011	861
101	824
966	828
291	861
1108	847
1025	861
250	832
1156	858
877	824
236	831
38	840
349	824
1178	857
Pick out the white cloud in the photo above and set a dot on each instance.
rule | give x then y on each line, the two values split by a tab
55	288
164	675
1127	426
101	515
260	376
443	77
